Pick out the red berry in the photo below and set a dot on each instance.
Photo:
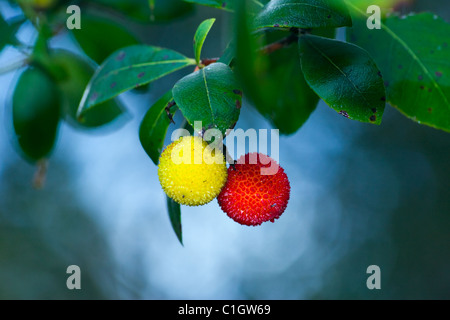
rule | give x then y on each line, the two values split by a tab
251	198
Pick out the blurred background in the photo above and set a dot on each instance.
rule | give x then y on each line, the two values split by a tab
361	195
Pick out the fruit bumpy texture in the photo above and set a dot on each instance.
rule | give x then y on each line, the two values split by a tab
251	198
194	180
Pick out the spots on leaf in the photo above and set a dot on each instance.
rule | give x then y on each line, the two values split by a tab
379	74
430	110
422	87
113	85
344	113
224	4
373	118
438	74
140	75
276	25
383	99
374	110
329	16
420	77
238	92
400	66
94	96
238	104
121	56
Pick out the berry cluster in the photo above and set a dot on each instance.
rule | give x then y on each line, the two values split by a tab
245	192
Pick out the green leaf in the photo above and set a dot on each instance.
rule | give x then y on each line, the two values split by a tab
200	36
274	82
175	218
153	129
145	11
386	6
8	31
100	37
229	5
219	4
77	73
165	10
229	53
344	76
35	114
413	54
211	95
130	68
303	14
5	34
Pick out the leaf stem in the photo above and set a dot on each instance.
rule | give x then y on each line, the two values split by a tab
167	108
41	174
282	43
207	62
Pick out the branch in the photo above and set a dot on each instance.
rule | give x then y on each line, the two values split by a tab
285	42
167	108
41	174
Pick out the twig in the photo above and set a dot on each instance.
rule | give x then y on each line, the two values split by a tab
285	42
41	174
207	62
167	108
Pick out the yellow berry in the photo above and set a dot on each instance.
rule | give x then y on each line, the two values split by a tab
190	172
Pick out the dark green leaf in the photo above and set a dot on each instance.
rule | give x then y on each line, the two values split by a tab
129	68
154	127
5	33
164	10
303	14
274	82
77	73
175	218
35	114
99	37
154	10
229	53
210	95
344	76
413	54
229	5
200	36
8	31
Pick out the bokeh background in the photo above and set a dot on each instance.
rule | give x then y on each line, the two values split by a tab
361	195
